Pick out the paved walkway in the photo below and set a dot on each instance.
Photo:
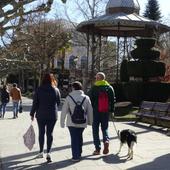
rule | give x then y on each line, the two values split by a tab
152	151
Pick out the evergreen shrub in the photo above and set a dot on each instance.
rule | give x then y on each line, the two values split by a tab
123	72
145	69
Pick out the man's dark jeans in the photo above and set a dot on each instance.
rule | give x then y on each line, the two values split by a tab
103	119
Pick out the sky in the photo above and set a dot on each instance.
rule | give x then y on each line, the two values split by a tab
164	7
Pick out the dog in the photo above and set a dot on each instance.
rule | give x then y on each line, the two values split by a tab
127	136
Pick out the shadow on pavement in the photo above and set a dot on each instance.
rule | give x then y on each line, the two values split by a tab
149	128
160	163
14	161
110	158
113	159
37	166
14	164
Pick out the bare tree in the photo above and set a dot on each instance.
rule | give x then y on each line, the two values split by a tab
86	10
12	9
36	44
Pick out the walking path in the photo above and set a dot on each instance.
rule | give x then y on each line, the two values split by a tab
152	151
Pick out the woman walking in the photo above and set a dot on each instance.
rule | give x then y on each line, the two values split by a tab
45	107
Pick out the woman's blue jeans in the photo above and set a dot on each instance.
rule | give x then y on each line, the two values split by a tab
76	141
100	119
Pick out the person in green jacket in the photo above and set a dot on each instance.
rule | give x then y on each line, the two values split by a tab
102	97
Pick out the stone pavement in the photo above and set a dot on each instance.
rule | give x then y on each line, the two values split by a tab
152	151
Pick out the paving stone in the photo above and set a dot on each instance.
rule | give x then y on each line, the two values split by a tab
152	151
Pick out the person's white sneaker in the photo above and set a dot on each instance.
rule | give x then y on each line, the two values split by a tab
48	158
40	155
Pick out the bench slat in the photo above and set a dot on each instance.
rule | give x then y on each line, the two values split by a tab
157	111
161	107
147	105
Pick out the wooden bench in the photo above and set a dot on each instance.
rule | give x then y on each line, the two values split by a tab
154	113
164	118
145	113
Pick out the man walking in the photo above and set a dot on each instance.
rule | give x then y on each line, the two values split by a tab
102	97
15	94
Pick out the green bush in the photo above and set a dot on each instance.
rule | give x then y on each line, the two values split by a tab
145	69
145	50
145	43
119	93
136	92
123	72
155	91
145	54
133	92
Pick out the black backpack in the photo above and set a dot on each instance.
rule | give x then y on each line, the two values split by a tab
79	115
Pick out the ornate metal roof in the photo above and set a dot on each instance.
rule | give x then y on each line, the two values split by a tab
122	19
127	6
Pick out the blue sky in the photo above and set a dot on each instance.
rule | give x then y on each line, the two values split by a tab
164	6
58	6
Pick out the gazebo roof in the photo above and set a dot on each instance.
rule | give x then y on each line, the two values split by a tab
127	6
122	19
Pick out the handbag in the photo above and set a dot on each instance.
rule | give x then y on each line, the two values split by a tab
29	137
20	108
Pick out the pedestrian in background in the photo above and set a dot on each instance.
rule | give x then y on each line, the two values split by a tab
103	98
4	100
77	96
15	94
45	105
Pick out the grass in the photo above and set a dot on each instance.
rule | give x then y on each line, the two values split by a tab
129	116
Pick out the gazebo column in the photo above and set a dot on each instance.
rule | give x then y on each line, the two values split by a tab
117	59
93	51
86	69
88	48
98	53
124	48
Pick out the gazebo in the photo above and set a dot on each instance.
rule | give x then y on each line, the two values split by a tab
121	20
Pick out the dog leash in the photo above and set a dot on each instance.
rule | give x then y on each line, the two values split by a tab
112	117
